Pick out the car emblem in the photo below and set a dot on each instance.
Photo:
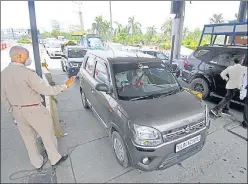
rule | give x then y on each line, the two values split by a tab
187	129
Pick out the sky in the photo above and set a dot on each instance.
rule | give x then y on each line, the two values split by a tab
14	14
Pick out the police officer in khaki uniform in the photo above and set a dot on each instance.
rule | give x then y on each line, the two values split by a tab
20	92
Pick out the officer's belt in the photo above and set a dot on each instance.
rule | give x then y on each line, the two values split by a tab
31	105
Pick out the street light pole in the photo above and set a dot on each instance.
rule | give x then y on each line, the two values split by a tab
243	6
80	13
111	23
33	27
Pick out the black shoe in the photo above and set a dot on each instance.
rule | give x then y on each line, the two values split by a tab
45	158
244	125
215	113
63	158
226	113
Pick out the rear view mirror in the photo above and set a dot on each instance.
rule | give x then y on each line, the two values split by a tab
102	87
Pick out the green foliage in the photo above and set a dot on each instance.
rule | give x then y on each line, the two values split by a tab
131	33
23	41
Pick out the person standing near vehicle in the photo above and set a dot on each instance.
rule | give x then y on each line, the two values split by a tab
244	95
233	75
20	92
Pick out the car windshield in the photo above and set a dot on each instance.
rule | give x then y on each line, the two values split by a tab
55	45
95	43
76	53
134	80
161	56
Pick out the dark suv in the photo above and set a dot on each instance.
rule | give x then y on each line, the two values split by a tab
152	121
203	67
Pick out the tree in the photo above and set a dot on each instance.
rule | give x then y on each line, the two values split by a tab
96	26
134	27
102	28
166	28
118	29
216	19
151	32
185	32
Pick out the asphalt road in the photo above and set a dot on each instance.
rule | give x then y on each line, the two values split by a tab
223	158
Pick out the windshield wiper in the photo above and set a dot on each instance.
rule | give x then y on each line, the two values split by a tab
142	97
170	93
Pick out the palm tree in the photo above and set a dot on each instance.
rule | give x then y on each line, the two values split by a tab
96	26
185	31
216	19
166	27
118	29
134	27
151	32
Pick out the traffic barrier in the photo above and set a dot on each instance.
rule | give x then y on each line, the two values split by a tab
198	94
51	103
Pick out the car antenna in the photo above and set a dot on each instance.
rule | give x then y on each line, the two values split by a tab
137	56
113	52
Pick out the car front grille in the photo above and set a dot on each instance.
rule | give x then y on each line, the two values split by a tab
177	157
183	131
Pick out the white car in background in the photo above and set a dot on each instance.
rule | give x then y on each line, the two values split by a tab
114	46
53	49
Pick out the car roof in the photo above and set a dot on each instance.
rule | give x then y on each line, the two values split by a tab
121	56
224	47
147	49
75	47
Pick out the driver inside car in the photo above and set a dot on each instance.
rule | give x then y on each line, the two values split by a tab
140	78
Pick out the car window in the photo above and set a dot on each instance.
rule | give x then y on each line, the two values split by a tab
227	58
199	53
133	80
101	74
76	53
90	63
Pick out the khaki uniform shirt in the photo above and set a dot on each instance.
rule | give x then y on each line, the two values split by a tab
22	86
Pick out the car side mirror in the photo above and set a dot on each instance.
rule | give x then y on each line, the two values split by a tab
102	87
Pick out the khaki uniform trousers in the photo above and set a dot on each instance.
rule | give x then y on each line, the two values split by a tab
32	121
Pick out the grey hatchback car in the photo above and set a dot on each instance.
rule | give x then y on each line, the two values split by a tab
152	121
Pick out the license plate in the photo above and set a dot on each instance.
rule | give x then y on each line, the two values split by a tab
188	143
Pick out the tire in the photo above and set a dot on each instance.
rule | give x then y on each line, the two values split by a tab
84	101
198	83
63	67
123	160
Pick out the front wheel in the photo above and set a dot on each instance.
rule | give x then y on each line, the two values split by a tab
84	100
200	85
63	66
120	150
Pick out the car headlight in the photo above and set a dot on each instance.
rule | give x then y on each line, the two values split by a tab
146	136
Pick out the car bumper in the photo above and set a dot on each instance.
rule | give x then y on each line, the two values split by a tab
57	55
164	156
185	74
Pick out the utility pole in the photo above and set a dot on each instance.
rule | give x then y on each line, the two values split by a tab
243	6
177	8
111	23
35	42
79	3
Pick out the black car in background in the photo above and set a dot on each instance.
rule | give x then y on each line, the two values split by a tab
203	67
72	59
173	67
